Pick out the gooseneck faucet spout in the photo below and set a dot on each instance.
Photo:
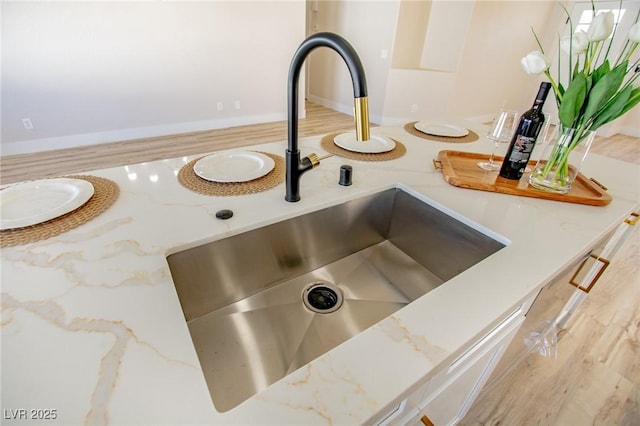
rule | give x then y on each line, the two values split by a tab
295	166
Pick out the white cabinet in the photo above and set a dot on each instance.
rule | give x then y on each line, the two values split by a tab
452	391
594	265
446	398
449	394
406	411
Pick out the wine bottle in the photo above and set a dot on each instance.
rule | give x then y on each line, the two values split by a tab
524	139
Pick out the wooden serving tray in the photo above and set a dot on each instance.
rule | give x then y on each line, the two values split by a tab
460	169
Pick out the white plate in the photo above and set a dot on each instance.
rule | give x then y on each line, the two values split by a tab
375	145
441	129
233	166
29	203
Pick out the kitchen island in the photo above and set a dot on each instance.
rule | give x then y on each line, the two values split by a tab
93	328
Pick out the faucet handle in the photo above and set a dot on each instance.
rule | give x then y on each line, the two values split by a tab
313	158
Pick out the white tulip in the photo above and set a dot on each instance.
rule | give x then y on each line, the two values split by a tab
634	32
576	44
601	26
535	63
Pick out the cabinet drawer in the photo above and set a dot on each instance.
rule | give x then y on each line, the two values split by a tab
443	378
405	410
453	401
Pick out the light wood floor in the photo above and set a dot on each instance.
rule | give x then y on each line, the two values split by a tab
18	168
594	380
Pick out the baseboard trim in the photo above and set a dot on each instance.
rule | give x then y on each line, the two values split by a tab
633	131
330	104
345	109
394	121
89	139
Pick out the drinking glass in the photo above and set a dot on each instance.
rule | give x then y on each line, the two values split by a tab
542	140
502	129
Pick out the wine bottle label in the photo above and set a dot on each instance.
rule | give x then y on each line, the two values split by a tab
522	149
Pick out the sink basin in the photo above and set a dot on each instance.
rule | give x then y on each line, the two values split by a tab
263	303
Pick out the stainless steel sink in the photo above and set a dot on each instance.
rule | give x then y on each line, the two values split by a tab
263	303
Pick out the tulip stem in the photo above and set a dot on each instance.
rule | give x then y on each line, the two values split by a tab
591	53
632	49
556	89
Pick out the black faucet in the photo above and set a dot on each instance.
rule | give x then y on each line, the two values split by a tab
295	166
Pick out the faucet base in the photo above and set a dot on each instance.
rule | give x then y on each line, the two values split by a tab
295	167
292	159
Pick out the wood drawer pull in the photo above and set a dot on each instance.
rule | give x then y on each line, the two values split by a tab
426	421
604	188
586	287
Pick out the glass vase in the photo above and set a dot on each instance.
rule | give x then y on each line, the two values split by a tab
561	160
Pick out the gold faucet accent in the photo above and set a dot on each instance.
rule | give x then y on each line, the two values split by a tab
315	160
361	116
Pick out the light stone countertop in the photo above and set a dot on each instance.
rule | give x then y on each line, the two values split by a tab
92	326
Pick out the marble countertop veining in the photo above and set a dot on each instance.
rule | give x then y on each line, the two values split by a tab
92	326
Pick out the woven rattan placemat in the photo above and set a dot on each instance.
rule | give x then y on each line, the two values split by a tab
105	193
190	180
328	145
471	137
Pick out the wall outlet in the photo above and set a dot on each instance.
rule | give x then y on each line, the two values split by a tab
220	106
236	104
414	107
27	124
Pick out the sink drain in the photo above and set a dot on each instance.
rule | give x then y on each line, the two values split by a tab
322	297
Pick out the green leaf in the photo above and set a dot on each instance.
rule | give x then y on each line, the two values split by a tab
634	99
601	71
613	109
576	68
604	89
572	100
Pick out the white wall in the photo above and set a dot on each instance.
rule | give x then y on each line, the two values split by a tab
103	71
488	75
91	72
630	123
485	74
369	27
